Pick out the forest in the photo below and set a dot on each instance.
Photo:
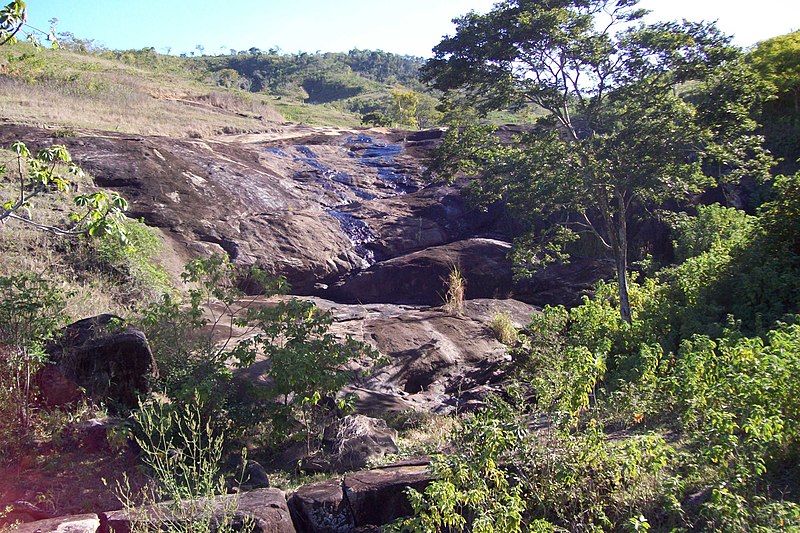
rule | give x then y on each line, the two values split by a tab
663	398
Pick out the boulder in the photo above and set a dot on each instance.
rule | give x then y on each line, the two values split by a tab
265	509
321	508
377	497
354	440
92	435
100	355
85	523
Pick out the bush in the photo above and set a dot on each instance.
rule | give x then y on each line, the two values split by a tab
30	309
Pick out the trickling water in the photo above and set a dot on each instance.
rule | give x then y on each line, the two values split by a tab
381	157
358	232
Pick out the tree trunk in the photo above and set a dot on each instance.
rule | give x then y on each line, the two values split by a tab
621	259
617	229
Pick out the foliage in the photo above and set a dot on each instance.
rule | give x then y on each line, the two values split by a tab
778	61
13	18
100	213
198	344
136	277
183	455
471	490
30	310
617	135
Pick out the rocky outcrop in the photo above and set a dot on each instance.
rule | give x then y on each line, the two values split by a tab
101	356
420	278
433	359
348	504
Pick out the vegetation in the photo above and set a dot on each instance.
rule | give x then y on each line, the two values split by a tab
606	87
668	400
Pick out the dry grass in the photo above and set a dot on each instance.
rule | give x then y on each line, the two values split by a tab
64	89
456	287
503	328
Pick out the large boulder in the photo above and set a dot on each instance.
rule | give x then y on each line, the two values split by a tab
377	497
321	508
357	502
420	278
110	361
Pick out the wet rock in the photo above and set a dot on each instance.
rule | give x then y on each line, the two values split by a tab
85	523
110	361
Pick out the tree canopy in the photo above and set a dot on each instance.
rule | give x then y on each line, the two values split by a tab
778	61
636	113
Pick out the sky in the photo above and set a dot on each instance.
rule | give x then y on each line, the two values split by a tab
410	27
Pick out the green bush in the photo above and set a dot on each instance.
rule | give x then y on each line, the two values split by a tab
31	308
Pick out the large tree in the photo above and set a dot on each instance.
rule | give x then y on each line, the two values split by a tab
635	113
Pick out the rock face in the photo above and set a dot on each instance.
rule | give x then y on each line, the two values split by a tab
347	209
109	361
433	358
419	278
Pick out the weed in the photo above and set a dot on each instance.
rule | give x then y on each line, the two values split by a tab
503	328
456	286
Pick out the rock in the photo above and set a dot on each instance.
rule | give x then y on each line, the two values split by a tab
321	508
377	497
420	278
112	363
255	476
92	435
352	441
265	508
22	511
85	523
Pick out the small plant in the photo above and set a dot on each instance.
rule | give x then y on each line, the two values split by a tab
456	287
182	453
503	328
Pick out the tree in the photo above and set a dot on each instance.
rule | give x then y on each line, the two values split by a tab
403	107
100	213
629	121
778	61
13	17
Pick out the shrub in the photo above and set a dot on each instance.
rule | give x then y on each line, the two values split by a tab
182	454
30	309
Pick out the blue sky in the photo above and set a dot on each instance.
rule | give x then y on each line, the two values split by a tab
401	26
